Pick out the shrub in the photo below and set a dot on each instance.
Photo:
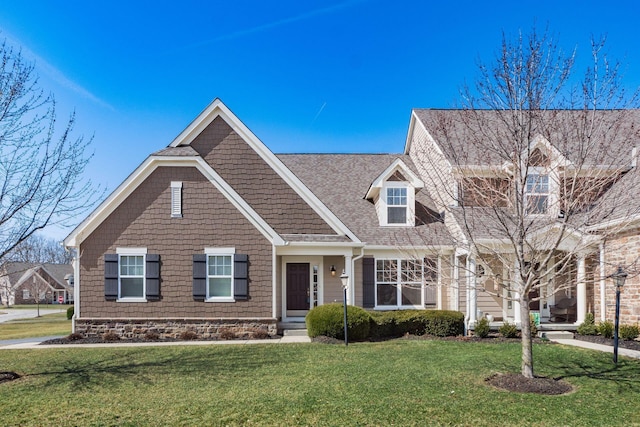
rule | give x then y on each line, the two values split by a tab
443	323
227	334
588	327
482	328
384	324
110	336
70	313
75	336
629	332
259	334
508	330
440	323
188	336
606	329
328	320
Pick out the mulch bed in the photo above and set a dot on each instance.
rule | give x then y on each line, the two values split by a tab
599	339
8	376
538	385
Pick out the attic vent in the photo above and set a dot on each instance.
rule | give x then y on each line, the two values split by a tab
176	199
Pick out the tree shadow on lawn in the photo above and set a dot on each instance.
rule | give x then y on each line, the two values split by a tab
113	369
626	375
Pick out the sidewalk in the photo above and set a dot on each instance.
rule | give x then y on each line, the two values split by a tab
7	314
599	347
33	343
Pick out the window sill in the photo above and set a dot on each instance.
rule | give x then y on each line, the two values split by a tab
131	300
220	299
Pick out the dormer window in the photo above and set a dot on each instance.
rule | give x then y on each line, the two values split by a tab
537	194
397	205
394	194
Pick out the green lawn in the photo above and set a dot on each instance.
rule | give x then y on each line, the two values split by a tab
398	382
45	325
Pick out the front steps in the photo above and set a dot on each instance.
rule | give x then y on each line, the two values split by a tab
556	335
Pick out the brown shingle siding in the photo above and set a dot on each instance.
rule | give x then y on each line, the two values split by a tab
256	182
144	220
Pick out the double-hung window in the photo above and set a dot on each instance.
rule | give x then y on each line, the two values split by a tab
132	276
537	194
397	205
219	276
399	283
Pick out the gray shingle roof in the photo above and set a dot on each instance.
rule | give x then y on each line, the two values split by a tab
182	151
15	270
341	182
478	137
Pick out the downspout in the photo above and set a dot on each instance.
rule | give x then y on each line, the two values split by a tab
76	289
353	274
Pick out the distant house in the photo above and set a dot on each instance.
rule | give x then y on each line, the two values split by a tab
28	283
216	232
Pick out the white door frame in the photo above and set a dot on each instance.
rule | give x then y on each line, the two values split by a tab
313	261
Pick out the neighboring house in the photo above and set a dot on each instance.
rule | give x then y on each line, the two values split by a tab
31	283
216	232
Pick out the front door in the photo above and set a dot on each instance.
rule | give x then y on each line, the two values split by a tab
298	281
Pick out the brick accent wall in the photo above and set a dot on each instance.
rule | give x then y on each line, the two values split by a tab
144	220
622	250
271	197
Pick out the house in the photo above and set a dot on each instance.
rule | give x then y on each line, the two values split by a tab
216	232
21	283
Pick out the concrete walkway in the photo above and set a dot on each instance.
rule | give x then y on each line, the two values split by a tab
7	314
634	354
34	343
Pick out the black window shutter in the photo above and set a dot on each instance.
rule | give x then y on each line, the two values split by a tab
241	276
368	282
153	276
199	277
111	277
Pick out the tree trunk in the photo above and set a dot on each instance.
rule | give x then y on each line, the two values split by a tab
525	329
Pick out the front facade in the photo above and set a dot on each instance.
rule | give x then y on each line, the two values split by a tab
215	234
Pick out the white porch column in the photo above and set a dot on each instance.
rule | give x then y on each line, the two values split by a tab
439	285
454	304
471	286
603	295
581	287
349	272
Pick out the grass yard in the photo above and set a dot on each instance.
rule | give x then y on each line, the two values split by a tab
45	325
399	382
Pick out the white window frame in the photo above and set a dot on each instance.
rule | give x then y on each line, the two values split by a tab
141	252
409	206
398	284
176	199
535	192
26	294
213	252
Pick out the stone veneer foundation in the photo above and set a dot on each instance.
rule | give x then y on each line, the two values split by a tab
173	328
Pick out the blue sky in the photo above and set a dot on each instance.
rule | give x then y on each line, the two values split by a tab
304	76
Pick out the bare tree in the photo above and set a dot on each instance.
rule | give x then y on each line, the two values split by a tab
39	290
40	167
526	169
39	250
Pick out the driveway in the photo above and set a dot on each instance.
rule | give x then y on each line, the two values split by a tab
7	314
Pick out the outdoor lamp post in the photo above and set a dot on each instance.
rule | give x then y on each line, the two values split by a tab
345	285
619	278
